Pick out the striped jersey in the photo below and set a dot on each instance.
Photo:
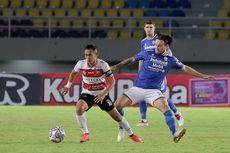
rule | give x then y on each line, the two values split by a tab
93	78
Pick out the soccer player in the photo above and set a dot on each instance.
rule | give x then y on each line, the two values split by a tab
150	39
147	86
149	29
95	90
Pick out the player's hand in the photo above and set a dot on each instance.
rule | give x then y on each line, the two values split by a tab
64	90
114	67
209	77
99	98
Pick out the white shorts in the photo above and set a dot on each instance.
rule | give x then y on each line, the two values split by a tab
136	95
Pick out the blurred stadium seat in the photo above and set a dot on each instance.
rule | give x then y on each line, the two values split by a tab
28	3
8	12
78	23
118	23
80	4
104	23
138	13
41	3
4	3
138	34
99	12
111	14
144	4
119	3
86	12
59	12
223	35
54	3
217	24
34	12
65	22
93	4
46	12
125	34
73	12
67	4
106	4
20	12
112	34
125	12
131	3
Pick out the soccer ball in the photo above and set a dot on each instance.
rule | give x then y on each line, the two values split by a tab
56	134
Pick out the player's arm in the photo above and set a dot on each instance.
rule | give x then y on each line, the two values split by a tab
66	88
110	82
123	63
191	71
140	65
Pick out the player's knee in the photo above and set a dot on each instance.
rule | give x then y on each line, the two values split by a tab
118	106
165	107
117	118
80	110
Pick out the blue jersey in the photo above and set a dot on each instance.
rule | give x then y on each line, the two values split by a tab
155	66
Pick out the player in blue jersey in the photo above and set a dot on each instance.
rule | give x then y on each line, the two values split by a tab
150	35
147	86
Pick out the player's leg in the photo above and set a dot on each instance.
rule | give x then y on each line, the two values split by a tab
108	106
84	103
162	105
178	114
126	99
121	131
122	102
124	124
143	112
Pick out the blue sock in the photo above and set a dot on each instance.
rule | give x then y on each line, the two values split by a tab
170	121
143	109
172	105
121	111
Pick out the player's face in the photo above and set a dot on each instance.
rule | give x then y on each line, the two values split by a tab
91	56
149	29
160	46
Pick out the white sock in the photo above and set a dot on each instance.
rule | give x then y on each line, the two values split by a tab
125	125
82	122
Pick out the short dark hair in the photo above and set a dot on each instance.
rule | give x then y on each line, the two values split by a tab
149	22
168	40
90	46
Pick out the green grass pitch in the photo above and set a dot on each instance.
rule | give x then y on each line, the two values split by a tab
25	130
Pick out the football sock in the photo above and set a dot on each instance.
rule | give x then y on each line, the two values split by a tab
121	111
143	110
172	105
82	122
170	121
125	125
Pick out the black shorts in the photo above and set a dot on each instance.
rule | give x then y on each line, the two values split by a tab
106	105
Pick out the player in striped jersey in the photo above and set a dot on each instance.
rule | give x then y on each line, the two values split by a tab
95	90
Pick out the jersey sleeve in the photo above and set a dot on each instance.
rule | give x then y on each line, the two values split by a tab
77	67
139	56
107	70
176	63
142	46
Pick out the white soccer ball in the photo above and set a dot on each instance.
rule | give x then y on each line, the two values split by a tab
56	134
